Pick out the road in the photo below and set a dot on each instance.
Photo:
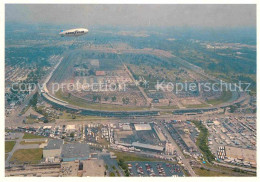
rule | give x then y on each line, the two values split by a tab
148	101
15	117
16	146
232	166
110	163
179	152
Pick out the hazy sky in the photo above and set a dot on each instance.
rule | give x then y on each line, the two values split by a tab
136	15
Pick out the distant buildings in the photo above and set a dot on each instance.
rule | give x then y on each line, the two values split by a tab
70	128
100	73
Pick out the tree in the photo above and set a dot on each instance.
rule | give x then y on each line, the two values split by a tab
94	98
91	72
125	100
113	98
112	174
232	108
72	134
34	99
99	98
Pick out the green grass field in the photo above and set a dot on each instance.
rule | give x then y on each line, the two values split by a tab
205	172
220	171
133	157
9	145
82	103
31	136
27	155
30	120
167	107
29	143
68	116
226	95
196	106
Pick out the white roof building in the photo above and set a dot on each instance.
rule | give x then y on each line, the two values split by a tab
140	127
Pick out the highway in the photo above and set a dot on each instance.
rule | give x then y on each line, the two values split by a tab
232	166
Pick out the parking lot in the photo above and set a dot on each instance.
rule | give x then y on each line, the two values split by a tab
112	165
154	169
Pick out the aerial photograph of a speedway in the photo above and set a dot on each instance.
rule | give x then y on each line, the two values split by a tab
130	90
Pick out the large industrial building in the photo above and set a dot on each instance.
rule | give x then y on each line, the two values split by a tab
52	152
159	134
75	151
141	127
148	146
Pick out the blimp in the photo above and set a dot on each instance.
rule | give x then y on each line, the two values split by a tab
73	32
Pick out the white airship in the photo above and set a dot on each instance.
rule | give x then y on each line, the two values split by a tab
73	32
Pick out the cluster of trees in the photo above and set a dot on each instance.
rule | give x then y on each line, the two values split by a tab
113	98
202	141
125	100
124	166
96	98
34	100
134	75
238	170
112	174
233	108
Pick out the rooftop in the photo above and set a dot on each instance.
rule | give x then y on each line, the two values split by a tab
54	144
70	127
147	146
75	150
139	127
100	73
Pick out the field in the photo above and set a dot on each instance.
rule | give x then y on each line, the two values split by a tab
205	172
9	146
31	136
27	155
220	171
84	104
166	107
132	157
30	120
70	117
196	106
226	95
29	143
